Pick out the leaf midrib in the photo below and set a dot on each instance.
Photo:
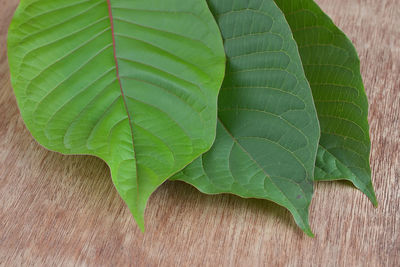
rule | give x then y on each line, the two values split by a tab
110	14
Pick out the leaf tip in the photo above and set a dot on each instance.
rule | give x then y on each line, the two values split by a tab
308	232
141	227
370	193
139	221
139	218
374	201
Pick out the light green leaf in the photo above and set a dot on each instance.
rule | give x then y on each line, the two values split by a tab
267	132
145	103
332	67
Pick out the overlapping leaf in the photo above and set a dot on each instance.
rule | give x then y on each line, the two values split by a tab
132	82
135	83
332	67
267	132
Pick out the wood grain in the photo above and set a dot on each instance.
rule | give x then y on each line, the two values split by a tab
63	210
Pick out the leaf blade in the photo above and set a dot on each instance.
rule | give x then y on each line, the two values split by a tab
332	67
249	157
90	78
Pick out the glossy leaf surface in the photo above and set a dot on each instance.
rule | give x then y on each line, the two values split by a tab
267	132
132	82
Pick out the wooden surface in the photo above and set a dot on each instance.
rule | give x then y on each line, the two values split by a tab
63	210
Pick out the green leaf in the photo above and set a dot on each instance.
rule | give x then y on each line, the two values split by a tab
132	82
267	132
332	67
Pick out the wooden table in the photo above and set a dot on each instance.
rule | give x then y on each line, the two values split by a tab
64	210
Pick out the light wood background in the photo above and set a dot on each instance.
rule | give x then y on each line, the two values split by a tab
63	210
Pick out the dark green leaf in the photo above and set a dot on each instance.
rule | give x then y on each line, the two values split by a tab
267	132
332	67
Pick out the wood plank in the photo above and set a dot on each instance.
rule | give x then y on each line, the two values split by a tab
63	210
